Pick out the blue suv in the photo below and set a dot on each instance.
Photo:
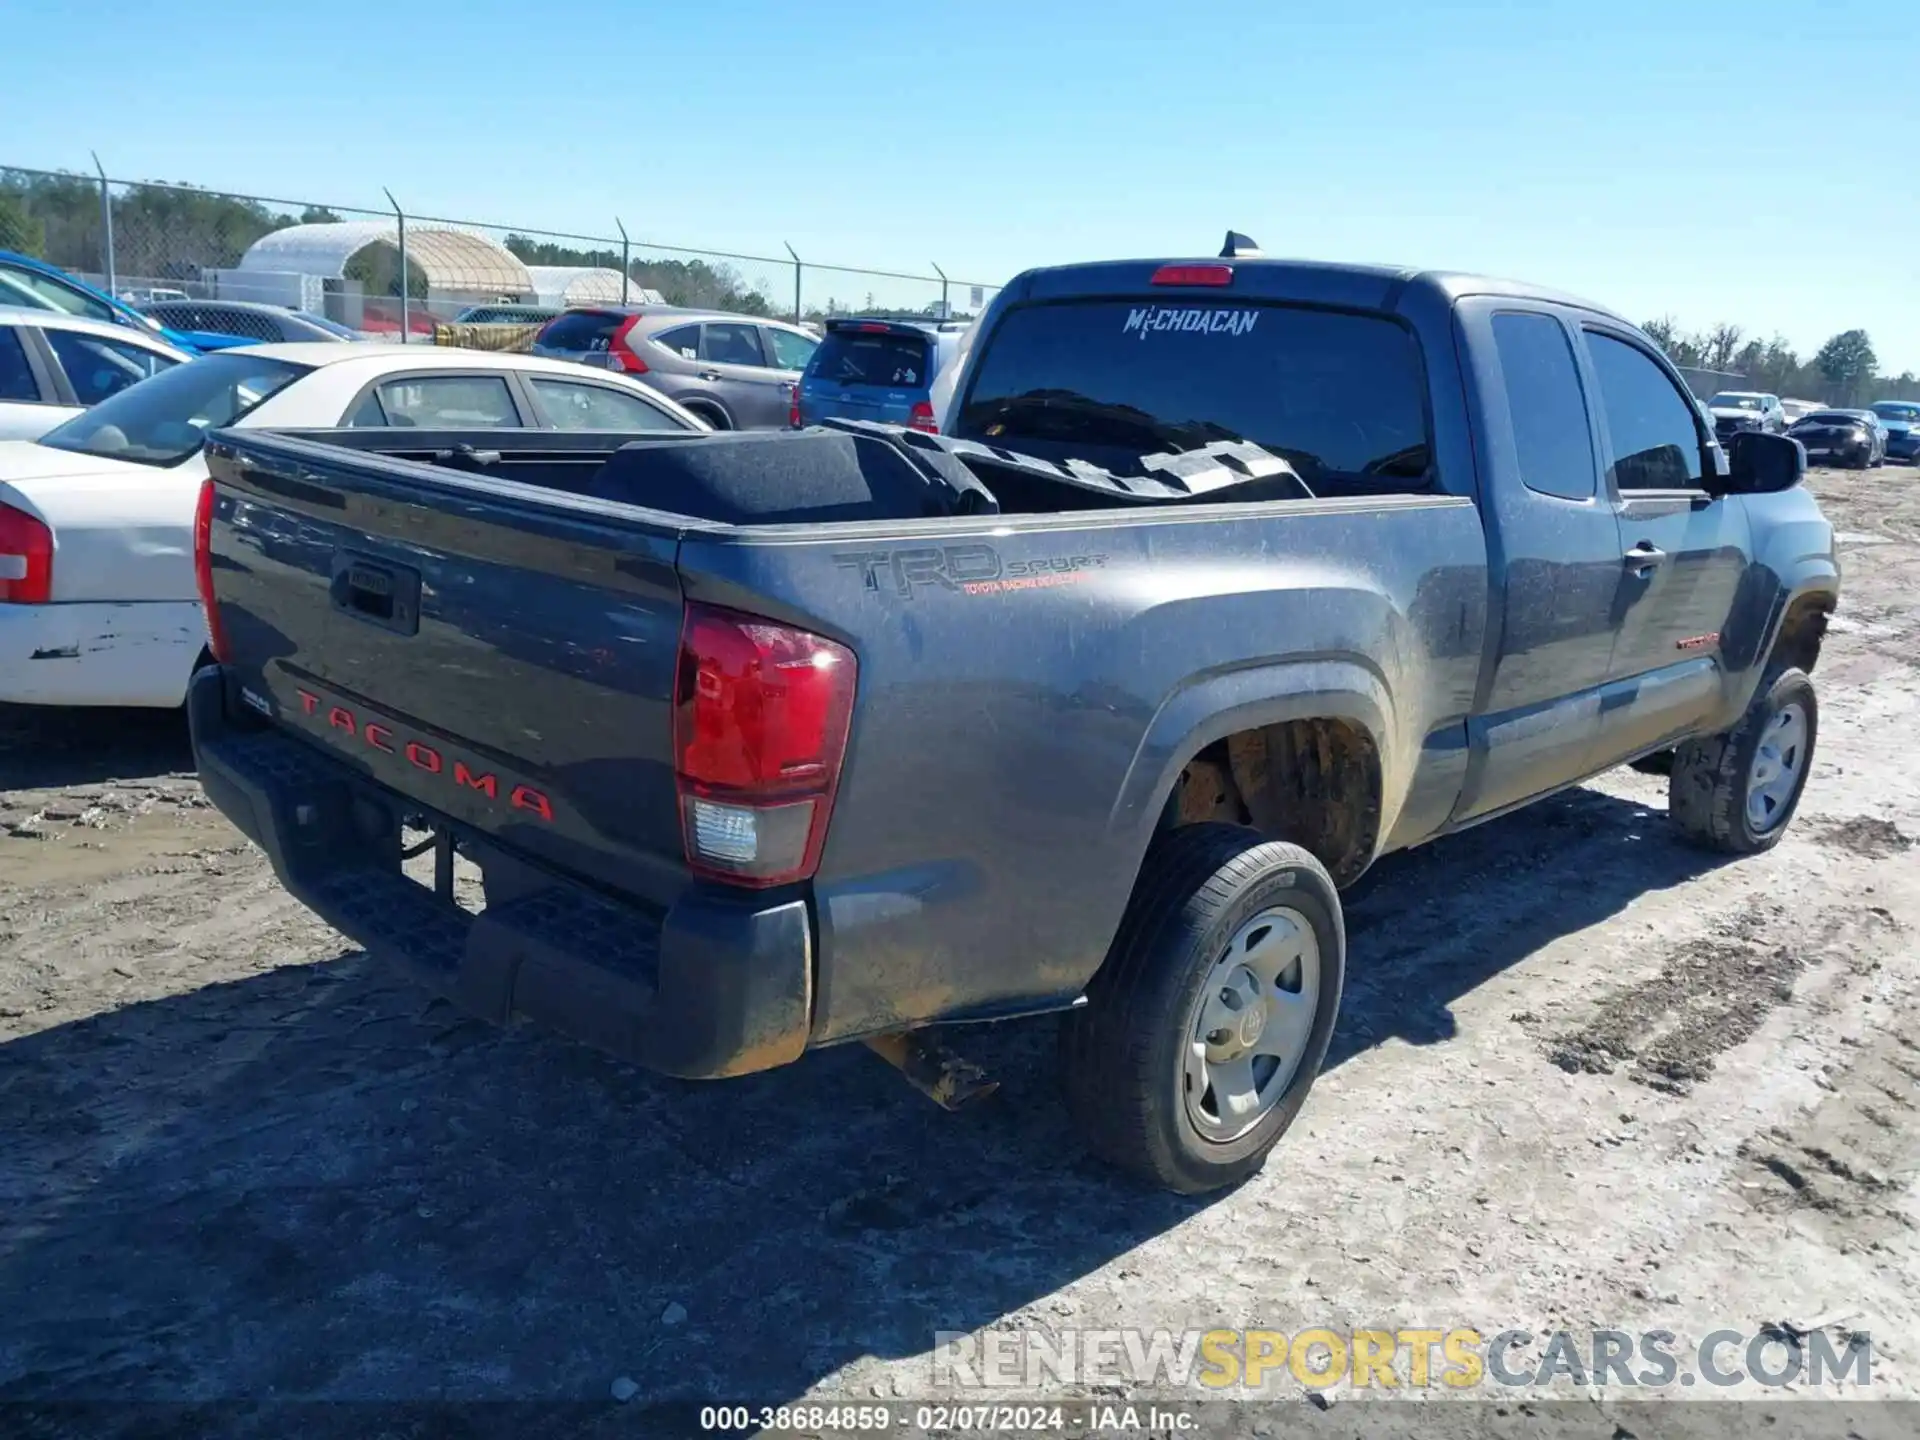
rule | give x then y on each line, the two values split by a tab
878	368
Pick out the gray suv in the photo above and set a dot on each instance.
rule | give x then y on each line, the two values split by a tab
736	372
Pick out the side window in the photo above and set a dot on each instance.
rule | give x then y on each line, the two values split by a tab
98	367
682	340
367	415
249	323
1549	412
571	406
732	345
1656	439
16	376
449	402
60	297
790	351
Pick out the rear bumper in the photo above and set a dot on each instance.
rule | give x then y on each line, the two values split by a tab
719	985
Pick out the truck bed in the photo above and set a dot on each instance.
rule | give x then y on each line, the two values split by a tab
495	659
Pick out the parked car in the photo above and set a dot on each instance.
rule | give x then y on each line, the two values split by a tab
1231	576
35	285
1881	433
736	372
877	368
506	314
54	365
1902	421
1737	410
97	599
223	324
1841	437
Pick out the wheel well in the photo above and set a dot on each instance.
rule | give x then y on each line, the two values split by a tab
709	412
1805	626
1313	782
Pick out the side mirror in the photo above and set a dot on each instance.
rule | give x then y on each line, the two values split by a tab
1762	464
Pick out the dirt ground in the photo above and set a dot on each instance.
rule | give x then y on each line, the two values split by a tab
1584	1077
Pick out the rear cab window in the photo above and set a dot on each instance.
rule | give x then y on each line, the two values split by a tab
890	358
1546	407
1341	395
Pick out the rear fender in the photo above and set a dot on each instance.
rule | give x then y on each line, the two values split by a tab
1211	707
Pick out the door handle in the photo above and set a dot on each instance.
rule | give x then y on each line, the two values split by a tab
707	374
1643	557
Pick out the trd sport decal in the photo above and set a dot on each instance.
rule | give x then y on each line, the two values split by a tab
964	569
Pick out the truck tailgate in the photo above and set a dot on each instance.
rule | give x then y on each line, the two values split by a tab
504	656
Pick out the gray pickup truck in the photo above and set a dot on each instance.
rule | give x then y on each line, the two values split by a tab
1225	578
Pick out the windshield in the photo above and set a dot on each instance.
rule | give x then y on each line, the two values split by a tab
1735	402
164	420
1110	381
856	358
1896	410
1830	417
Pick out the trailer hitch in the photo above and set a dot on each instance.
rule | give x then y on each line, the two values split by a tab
943	1077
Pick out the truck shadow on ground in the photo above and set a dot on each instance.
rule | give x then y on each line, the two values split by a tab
47	748
314	1183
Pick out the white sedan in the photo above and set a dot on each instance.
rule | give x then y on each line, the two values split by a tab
54	365
97	597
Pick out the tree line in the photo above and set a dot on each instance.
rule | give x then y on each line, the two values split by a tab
1844	371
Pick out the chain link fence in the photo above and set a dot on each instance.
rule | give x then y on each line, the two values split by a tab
388	272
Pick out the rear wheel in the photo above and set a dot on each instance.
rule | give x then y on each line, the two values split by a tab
714	417
1736	792
1208	1022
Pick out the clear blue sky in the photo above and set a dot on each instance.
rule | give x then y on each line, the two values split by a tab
1743	163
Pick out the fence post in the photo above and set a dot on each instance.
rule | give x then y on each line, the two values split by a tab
406	322
796	282
946	310
626	260
106	222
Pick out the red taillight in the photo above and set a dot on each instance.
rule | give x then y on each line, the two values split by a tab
1193	275
620	349
760	716
203	570
26	558
793	407
922	418
871	329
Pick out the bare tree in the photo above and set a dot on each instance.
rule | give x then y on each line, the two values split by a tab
1721	344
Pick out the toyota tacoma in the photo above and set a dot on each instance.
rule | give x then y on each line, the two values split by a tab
1223	578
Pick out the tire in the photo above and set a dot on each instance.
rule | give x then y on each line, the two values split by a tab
1125	1056
1714	780
712	416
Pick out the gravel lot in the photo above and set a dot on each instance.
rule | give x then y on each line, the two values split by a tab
1584	1077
